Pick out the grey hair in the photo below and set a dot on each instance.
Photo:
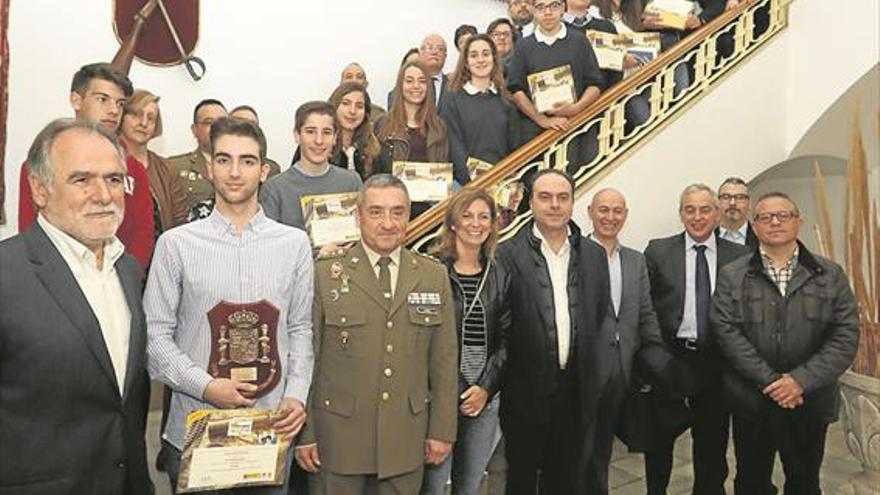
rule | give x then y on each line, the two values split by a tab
381	181
40	165
698	187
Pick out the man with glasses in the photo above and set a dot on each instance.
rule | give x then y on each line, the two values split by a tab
682	269
787	323
553	46
432	53
502	33
522	13
733	196
192	167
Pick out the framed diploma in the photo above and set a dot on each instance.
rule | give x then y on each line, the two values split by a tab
551	87
477	167
331	218
672	13
425	181
231	448
605	46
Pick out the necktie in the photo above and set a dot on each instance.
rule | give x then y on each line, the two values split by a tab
385	276
703	292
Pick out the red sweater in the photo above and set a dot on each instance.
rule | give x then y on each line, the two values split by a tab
136	231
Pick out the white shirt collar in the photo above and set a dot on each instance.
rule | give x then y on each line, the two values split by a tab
537	232
616	249
473	90
373	256
689	242
743	229
73	250
550	39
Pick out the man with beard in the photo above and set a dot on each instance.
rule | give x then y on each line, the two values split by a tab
236	262
73	388
733	196
522	13
97	94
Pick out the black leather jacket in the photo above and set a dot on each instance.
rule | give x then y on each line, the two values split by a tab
812	332
493	297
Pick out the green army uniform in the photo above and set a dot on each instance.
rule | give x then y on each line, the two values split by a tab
386	371
193	171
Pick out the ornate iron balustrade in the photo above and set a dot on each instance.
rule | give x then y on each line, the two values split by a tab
698	54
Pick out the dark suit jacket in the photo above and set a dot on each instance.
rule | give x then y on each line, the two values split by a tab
531	370
64	428
751	238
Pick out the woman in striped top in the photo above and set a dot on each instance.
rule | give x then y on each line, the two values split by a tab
467	246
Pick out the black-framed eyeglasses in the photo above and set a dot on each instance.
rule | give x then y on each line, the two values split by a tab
730	197
781	216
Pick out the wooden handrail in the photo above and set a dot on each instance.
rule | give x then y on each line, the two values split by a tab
521	156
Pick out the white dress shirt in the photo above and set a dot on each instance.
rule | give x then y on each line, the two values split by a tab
103	291
549	39
557	265
615	274
688	327
393	267
738	236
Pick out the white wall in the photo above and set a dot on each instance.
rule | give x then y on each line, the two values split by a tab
271	54
753	119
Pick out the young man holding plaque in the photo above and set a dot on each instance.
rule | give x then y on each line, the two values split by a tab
222	286
554	49
315	131
383	403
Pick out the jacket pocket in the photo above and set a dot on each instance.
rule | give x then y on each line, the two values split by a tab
340	405
345	331
418	402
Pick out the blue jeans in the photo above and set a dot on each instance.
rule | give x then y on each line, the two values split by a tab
172	466
477	439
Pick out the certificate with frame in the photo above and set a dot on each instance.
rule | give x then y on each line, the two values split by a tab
330	218
552	87
672	14
425	181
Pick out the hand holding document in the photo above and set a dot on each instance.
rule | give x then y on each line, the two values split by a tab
672	14
477	167
330	218
551	88
232	448
425	181
611	49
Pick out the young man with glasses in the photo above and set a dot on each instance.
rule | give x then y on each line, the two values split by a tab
733	196
192	167
786	321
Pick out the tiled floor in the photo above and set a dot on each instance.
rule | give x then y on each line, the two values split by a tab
628	470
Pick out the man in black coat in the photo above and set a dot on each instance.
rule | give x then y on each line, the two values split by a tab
73	384
787	322
682	270
558	296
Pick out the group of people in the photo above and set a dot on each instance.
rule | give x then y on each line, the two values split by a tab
398	372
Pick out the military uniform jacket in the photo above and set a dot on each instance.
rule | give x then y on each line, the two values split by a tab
386	369
193	171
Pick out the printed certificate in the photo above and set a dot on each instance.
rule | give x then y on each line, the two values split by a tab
425	181
230	449
551	87
331	218
673	13
605	46
477	167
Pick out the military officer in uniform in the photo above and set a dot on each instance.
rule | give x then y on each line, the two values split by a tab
383	402
192	167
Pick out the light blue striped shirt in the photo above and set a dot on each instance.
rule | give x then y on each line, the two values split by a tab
199	264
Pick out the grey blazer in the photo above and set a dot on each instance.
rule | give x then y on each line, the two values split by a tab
64	427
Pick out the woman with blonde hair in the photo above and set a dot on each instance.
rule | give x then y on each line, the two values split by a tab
467	244
141	122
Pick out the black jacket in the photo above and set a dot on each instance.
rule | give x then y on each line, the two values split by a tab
812	332
531	371
493	298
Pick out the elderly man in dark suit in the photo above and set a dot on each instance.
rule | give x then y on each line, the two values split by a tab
73	387
557	300
787	322
630	327
682	270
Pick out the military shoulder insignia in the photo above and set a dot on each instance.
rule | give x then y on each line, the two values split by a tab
336	253
426	256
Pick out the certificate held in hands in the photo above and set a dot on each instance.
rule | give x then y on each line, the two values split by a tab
551	87
232	448
425	181
672	14
330	218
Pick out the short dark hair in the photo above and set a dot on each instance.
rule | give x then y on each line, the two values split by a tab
549	171
732	180
247	108
463	30
378	181
497	22
313	107
204	103
84	76
226	126
778	194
